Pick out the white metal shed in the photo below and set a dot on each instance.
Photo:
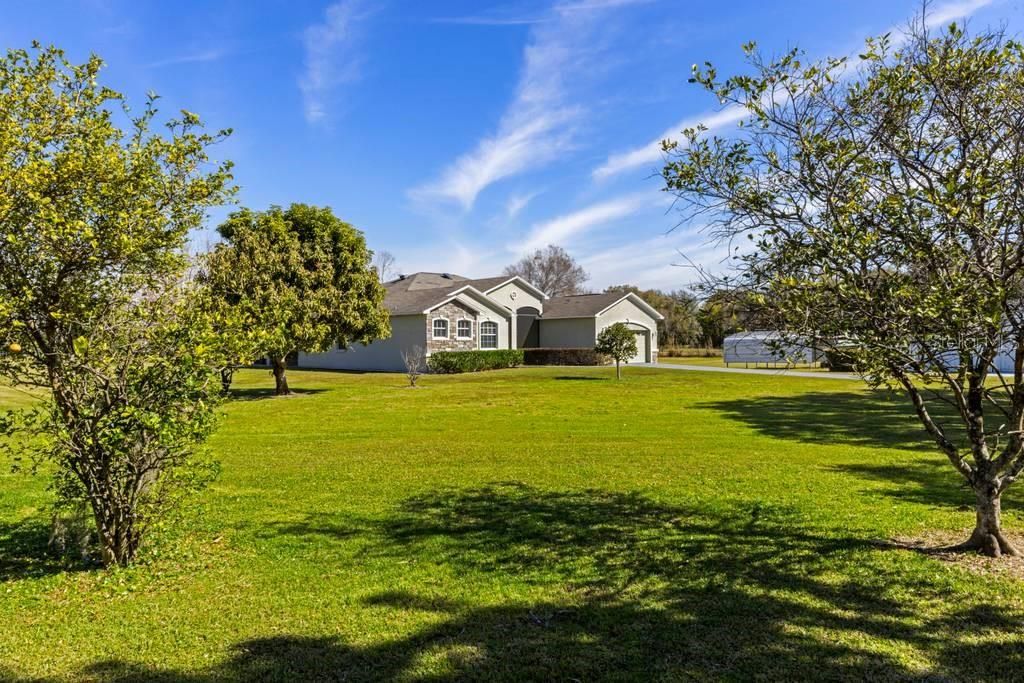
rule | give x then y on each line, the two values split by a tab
764	347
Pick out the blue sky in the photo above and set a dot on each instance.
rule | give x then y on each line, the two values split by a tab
460	134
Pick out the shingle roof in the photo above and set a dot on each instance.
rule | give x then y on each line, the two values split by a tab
413	294
425	281
579	305
404	302
485	283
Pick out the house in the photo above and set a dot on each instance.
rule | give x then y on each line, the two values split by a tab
445	312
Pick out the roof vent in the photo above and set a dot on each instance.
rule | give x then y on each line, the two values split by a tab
401	276
446	276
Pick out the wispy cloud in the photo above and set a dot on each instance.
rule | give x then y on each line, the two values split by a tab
517	202
655	262
943	14
189	58
563	228
489	20
330	55
650	153
540	122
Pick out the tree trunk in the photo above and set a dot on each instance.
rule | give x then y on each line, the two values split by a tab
987	536
280	376
226	376
117	536
618	370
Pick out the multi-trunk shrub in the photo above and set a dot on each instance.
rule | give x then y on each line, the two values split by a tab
569	356
448	362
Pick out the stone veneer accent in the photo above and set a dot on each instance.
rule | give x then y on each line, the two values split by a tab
453	310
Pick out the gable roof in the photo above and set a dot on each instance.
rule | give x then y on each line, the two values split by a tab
420	292
592	305
402	300
486	284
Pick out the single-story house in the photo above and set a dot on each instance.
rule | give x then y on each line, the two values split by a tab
445	312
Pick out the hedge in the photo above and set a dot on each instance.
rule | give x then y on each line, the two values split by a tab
570	356
449	362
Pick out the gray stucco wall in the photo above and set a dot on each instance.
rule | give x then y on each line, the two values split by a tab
504	296
568	333
383	355
514	297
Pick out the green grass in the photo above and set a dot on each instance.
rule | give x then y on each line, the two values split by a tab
532	524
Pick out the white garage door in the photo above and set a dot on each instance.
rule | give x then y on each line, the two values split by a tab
641	348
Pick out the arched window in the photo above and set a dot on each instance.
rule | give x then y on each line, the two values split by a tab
464	329
440	328
488	335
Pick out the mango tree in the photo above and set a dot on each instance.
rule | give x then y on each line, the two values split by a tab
304	279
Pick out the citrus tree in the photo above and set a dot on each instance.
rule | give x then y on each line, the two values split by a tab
93	308
618	342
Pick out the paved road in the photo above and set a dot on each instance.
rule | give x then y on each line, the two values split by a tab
781	372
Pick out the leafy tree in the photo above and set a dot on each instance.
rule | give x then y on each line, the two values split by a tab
303	277
727	310
886	218
93	221
552	270
618	342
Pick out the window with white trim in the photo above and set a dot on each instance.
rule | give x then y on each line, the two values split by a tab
464	329
488	335
440	328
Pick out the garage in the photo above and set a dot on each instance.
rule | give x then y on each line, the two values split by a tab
576	320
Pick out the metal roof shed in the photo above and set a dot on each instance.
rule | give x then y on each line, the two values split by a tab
764	346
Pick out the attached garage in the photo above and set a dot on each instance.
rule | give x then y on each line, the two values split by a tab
575	321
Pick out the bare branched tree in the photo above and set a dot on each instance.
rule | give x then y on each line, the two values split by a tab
384	264
413	359
552	270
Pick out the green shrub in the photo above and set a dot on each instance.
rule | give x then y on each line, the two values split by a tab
570	356
689	352
449	362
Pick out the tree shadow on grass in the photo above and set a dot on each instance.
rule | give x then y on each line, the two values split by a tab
644	591
25	553
854	418
262	393
930	482
574	378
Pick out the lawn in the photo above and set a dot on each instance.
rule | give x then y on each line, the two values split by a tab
541	523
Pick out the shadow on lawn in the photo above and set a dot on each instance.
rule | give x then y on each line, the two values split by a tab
25	553
651	591
931	482
854	418
261	393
